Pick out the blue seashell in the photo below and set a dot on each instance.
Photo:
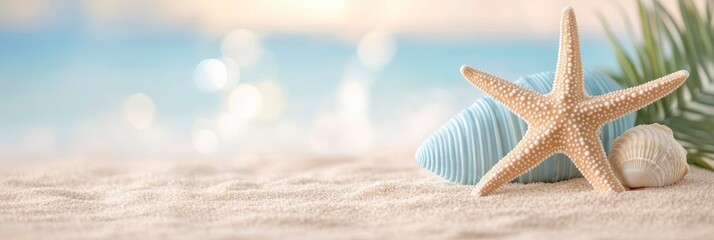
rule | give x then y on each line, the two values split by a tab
473	141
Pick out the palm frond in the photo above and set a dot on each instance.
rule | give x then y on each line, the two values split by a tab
668	44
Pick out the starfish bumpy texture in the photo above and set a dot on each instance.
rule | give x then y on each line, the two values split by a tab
567	120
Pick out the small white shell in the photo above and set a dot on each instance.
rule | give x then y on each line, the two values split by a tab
648	156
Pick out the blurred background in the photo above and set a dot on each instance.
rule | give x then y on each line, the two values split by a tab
214	79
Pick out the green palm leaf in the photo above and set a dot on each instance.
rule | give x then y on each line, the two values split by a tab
669	44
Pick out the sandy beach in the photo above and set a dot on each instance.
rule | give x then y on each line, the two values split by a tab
378	196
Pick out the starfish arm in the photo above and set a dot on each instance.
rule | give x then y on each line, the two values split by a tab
528	153
520	100
611	106
588	155
569	73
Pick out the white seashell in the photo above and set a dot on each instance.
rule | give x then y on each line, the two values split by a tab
648	156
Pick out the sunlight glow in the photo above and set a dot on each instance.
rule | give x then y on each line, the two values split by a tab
246	101
139	111
323	9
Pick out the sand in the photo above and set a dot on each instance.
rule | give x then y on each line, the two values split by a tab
384	195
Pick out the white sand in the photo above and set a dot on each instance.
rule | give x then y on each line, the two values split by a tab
385	195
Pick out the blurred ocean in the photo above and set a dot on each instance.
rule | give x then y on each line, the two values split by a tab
122	81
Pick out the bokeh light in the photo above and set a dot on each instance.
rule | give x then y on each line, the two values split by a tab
205	141
139	111
353	97
228	125
210	75
376	49
232	73
245	101
356	71
341	76
348	127
242	46
204	138
273	99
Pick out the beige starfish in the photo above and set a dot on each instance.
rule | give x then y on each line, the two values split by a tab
566	120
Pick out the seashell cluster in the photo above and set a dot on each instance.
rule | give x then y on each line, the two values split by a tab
648	156
474	140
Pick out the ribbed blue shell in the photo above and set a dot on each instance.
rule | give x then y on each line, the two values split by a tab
473	141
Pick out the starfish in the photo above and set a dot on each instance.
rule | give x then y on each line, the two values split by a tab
567	120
